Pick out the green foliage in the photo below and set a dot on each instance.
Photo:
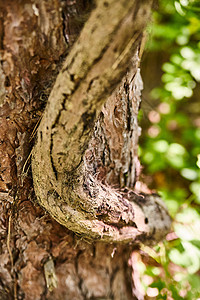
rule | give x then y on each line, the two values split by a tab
170	150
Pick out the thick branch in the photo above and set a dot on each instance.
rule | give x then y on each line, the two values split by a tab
63	182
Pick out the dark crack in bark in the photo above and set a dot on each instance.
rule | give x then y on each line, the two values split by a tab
85	204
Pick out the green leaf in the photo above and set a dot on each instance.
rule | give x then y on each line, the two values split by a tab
197	244
161	146
159	284
187	52
189	174
198	161
195	188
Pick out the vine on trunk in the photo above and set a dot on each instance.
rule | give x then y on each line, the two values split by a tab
66	181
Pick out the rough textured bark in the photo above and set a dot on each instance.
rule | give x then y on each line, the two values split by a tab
39	258
63	180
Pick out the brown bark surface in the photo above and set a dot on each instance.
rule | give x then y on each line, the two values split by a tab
39	258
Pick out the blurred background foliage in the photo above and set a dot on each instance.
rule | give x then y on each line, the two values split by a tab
170	147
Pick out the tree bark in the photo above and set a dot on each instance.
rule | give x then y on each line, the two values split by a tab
84	162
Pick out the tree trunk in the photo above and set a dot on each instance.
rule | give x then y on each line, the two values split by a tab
68	226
